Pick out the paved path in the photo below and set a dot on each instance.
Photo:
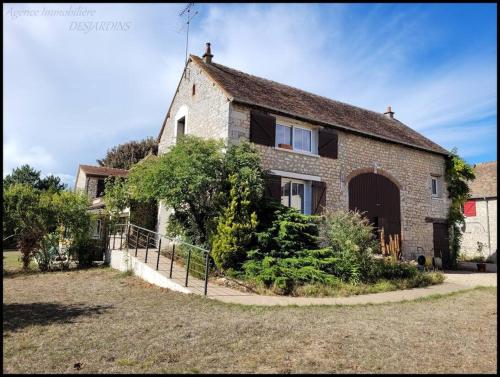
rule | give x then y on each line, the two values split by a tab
455	281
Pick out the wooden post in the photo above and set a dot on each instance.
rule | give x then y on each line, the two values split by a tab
382	242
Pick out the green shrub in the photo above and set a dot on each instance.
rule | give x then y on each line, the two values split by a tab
383	269
289	234
84	250
47	252
235	228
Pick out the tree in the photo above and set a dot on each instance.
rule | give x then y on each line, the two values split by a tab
458	174
51	183
34	214
31	177
125	155
25	175
30	214
187	179
116	197
235	228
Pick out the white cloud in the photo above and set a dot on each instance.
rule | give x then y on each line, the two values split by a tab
16	155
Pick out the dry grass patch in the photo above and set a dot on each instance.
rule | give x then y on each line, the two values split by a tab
111	323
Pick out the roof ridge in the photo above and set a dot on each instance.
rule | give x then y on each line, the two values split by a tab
102	167
486	162
221	66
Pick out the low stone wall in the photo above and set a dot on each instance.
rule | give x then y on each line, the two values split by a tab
122	261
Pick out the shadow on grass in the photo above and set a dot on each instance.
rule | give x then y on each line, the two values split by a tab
18	316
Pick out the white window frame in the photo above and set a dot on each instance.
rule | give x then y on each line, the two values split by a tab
435	179
310	139
291	134
307	192
313	145
181	113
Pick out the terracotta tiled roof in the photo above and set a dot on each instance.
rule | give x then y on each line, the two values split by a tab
244	88
485	184
103	171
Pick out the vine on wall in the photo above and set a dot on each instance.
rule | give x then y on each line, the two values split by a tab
458	174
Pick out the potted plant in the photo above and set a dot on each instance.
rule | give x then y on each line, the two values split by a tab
285	146
481	266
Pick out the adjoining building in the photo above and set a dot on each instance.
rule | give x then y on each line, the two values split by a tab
322	153
481	213
91	180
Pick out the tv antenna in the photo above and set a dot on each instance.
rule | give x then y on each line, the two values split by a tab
189	13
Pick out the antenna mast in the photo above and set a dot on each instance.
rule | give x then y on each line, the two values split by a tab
187	11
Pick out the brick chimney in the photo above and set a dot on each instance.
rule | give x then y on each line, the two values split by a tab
207	56
389	113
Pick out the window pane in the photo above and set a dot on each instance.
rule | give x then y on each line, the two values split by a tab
297	197
302	139
297	139
434	186
279	134
306	141
283	134
285	193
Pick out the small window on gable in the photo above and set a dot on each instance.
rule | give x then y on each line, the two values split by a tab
193	90
470	208
181	127
434	187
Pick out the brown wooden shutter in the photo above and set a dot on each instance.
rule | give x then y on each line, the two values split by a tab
328	143
273	187
262	128
318	197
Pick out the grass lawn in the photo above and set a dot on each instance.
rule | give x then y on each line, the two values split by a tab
110	322
12	261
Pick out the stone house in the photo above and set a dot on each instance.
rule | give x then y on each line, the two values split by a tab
322	154
481	212
90	179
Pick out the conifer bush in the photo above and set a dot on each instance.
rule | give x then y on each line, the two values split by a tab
235	227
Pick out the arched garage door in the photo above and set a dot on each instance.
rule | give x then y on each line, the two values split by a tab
378	197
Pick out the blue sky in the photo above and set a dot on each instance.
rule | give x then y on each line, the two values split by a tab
70	93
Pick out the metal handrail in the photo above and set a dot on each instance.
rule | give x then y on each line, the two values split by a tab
12	235
206	252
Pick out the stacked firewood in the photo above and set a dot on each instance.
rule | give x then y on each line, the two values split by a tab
392	248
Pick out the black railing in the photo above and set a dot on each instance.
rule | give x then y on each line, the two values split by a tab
195	259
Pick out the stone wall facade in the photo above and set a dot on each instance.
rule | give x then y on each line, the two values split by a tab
206	111
211	115
478	227
412	170
206	114
92	187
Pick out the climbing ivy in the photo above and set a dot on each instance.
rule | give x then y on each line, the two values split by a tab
458	174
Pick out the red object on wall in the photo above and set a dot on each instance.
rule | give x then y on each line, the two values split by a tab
470	208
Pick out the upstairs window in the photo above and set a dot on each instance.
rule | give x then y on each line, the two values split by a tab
434	187
295	138
181	127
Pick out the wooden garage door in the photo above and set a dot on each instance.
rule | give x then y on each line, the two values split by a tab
378	197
